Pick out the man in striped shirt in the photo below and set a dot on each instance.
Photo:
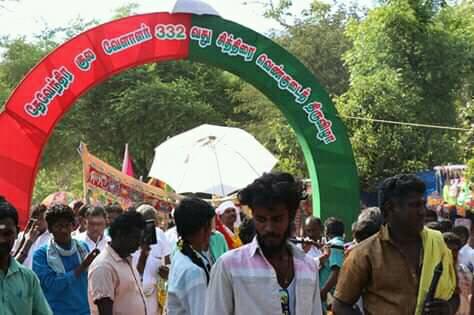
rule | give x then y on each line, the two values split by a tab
269	275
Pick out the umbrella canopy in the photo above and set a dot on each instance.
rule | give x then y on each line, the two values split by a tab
59	197
186	6
211	159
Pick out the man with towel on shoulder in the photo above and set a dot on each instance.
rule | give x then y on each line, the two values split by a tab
393	270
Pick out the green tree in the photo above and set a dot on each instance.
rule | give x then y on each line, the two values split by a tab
406	64
18	58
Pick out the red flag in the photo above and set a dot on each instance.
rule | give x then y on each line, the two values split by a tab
127	166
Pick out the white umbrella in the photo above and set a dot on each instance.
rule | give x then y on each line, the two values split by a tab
211	159
186	6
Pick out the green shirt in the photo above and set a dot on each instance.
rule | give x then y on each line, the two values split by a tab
217	245
20	292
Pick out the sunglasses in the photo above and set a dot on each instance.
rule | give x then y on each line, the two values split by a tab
285	301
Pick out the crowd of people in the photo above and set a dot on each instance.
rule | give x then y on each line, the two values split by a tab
81	259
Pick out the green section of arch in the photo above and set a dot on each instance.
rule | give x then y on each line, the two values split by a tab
331	166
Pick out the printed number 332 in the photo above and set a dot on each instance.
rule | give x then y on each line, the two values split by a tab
170	32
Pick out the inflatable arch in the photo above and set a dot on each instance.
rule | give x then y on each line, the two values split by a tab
50	89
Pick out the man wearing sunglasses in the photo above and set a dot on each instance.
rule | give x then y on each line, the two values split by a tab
268	275
394	270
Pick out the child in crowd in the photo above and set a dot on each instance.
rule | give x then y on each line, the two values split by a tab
329	272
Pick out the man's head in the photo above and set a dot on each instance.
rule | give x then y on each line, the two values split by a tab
435	226
193	218
333	227
38	213
148	212
462	232
430	216
402	203
454	243
313	228
126	232
8	227
227	212
446	225
113	211
76	205
60	219
371	214
369	222
247	230
274	199
96	222
363	230
81	217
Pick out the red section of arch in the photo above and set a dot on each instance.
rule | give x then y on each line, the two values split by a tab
24	133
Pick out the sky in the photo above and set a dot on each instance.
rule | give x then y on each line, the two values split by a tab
28	17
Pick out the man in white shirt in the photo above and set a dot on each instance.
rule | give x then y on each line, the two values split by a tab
269	275
81	220
172	236
189	276
35	236
94	236
466	254
152	265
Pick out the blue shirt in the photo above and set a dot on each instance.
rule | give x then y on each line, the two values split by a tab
20	292
66	294
336	258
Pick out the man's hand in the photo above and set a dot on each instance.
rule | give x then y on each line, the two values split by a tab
86	263
90	258
164	272
144	252
324	295
32	234
437	307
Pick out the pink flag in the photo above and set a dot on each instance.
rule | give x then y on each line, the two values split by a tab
127	166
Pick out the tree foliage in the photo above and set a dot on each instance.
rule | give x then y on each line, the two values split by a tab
405	60
407	63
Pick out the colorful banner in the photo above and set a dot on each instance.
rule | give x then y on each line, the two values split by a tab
104	184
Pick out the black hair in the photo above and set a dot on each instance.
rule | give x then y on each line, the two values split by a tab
334	227
113	208
126	223
446	225
431	213
7	210
82	212
191	215
451	238
434	226
462	232
96	212
38	211
398	187
58	212
247	230
272	189
77	205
